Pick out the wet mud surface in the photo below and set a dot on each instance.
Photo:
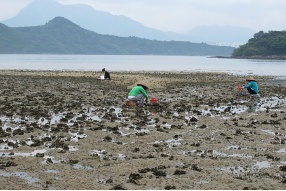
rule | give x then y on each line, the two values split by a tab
68	130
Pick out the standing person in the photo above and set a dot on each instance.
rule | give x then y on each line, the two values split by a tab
105	75
138	93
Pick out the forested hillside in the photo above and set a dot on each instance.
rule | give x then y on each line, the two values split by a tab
61	36
270	44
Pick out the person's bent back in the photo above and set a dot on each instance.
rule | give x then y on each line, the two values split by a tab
138	93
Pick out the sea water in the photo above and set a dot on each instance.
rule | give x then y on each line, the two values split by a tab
142	63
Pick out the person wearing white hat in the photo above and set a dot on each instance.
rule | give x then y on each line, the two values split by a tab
138	93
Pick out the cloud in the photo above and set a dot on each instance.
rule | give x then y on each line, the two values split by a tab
9	9
182	15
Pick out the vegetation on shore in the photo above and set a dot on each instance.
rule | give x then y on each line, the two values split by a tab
263	45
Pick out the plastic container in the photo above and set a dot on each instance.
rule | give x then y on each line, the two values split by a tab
154	101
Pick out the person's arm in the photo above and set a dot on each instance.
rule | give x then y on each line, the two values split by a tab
144	92
248	85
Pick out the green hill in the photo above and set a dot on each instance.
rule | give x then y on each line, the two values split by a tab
61	36
271	45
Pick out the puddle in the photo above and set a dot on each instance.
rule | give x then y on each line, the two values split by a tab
23	175
117	111
171	142
102	155
5	147
75	136
269	132
234	169
50	159
220	154
260	165
99	153
52	171
23	154
204	182
78	166
95	118
215	111
124	134
240	170
101	180
121	156
73	148
282	150
166	125
215	153
271	102
142	131
233	147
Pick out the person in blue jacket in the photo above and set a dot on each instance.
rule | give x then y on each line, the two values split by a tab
252	87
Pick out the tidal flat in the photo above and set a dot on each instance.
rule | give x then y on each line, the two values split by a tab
65	130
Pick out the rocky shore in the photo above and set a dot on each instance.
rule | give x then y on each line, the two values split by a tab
255	57
68	130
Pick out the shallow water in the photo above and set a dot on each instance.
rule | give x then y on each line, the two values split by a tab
142	63
23	175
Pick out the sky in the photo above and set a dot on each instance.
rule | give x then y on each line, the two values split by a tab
181	15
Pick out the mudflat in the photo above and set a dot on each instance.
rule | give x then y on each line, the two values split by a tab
68	130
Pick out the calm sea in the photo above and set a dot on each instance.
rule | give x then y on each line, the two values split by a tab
142	63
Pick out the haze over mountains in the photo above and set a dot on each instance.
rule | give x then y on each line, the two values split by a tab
39	12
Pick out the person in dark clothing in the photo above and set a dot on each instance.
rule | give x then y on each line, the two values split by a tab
105	76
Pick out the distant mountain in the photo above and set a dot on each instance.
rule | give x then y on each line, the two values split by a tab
61	36
40	12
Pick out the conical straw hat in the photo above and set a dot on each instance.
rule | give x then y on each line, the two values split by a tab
250	78
143	85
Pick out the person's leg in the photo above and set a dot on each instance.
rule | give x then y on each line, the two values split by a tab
140	98
254	100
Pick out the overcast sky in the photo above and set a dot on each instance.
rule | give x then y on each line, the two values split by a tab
182	15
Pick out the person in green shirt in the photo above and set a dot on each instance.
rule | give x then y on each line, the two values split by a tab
138	93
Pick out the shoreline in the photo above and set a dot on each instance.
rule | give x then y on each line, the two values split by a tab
274	80
72	72
253	57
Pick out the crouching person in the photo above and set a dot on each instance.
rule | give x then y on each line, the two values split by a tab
252	88
139	94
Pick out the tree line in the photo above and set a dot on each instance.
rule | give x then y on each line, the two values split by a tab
263	44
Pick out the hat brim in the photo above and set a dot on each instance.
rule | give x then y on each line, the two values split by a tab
144	86
250	79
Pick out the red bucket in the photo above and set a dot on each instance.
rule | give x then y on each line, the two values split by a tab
153	100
